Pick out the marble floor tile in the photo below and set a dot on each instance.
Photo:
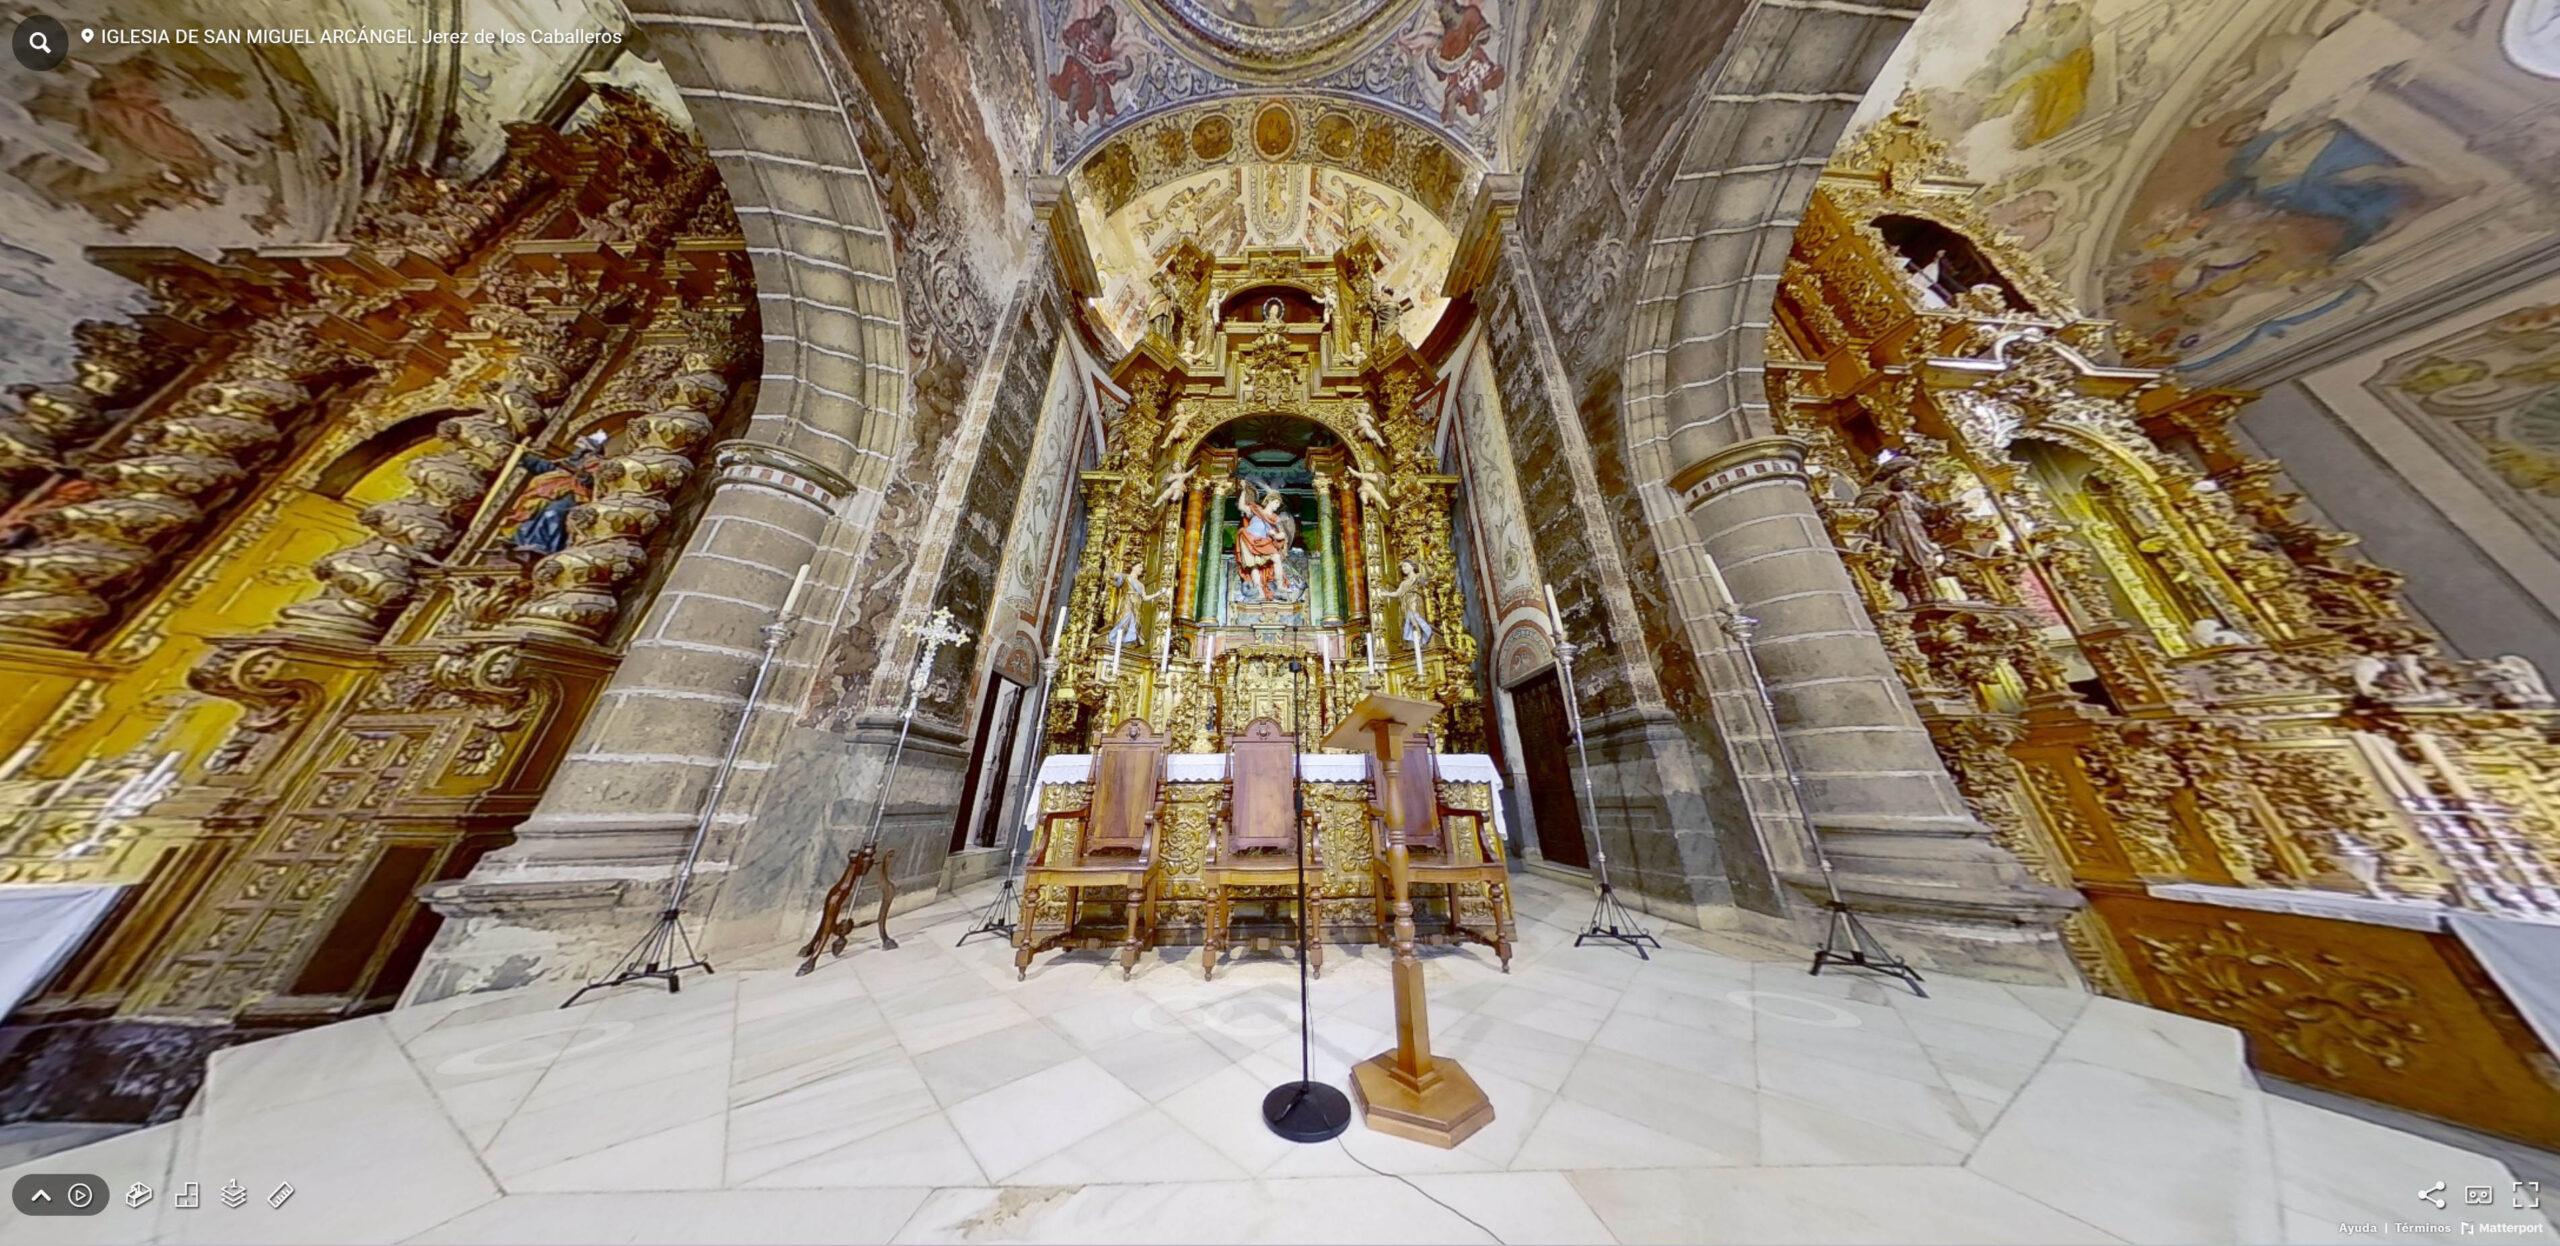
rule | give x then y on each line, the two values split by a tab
337	1150
612	1057
1017	1124
1820	1205
1144	1145
2060	1005
1571	1135
1363	1209
1717	1115
1977	1060
781	1217
883	1091
966	1069
1520	1206
687	1157
775	1051
534	1138
2159	1045
1926	1110
1156	1064
1563	1016
1538	1057
1701	1051
925	1151
923	1031
1794	1132
1225	1110
332	1059
2105	1146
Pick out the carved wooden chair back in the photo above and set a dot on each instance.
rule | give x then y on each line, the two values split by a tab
1262	795
1128	783
1418	784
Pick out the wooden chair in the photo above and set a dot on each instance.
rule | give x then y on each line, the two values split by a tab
1432	854
1123	811
1254	842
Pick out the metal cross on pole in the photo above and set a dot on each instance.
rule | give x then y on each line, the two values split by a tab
935	631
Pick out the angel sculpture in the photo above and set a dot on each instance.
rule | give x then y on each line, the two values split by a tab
1408	595
1133	594
1373	487
1368	425
1174	483
1263	544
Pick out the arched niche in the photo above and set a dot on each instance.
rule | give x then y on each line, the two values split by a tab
1264	468
1947	260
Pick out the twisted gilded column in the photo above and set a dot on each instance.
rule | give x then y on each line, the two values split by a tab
578	591
116	366
56	591
364	585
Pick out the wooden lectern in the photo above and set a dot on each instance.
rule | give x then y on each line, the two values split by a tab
1406	1092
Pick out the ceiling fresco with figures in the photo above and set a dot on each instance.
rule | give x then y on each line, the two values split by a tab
207	147
1442	62
2221	178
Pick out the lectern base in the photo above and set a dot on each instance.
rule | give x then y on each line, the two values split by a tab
1443	1116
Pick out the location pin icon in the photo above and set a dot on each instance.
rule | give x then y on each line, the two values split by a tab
86	34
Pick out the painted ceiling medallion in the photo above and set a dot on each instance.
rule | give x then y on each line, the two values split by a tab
1274	40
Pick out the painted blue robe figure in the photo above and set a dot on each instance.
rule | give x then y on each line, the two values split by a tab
538	523
2323	170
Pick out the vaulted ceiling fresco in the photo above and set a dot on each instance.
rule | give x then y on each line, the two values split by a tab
2223	178
1445	62
207	147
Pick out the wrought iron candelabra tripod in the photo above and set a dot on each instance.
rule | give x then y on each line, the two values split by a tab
654	956
1846	941
1610	921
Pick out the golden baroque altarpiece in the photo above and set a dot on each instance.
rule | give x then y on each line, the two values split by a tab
2146	672
474	423
1270	493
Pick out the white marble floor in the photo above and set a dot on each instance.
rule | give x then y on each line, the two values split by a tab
1710	1094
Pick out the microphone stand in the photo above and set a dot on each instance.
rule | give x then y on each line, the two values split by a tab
1305	1110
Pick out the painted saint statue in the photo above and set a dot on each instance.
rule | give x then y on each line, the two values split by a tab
1263	544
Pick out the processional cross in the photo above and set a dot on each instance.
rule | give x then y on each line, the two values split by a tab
834	928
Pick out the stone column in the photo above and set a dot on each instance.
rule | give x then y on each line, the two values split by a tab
1907	851
600	849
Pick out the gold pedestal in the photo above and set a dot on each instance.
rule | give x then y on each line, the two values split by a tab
1406	1092
1443	1113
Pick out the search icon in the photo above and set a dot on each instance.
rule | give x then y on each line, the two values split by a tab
40	43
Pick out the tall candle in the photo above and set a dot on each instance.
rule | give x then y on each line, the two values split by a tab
1555	617
1164	650
1058	635
799	581
1716	574
1372	638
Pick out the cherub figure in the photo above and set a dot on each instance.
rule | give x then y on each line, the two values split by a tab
1174	483
1373	487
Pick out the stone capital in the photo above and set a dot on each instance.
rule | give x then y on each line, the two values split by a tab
1738	464
773	467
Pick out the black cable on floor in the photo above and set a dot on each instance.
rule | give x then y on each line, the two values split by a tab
1346	1150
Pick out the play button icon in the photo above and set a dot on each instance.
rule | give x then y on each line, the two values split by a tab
59	1194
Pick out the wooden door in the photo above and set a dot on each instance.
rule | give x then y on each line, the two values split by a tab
1546	748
